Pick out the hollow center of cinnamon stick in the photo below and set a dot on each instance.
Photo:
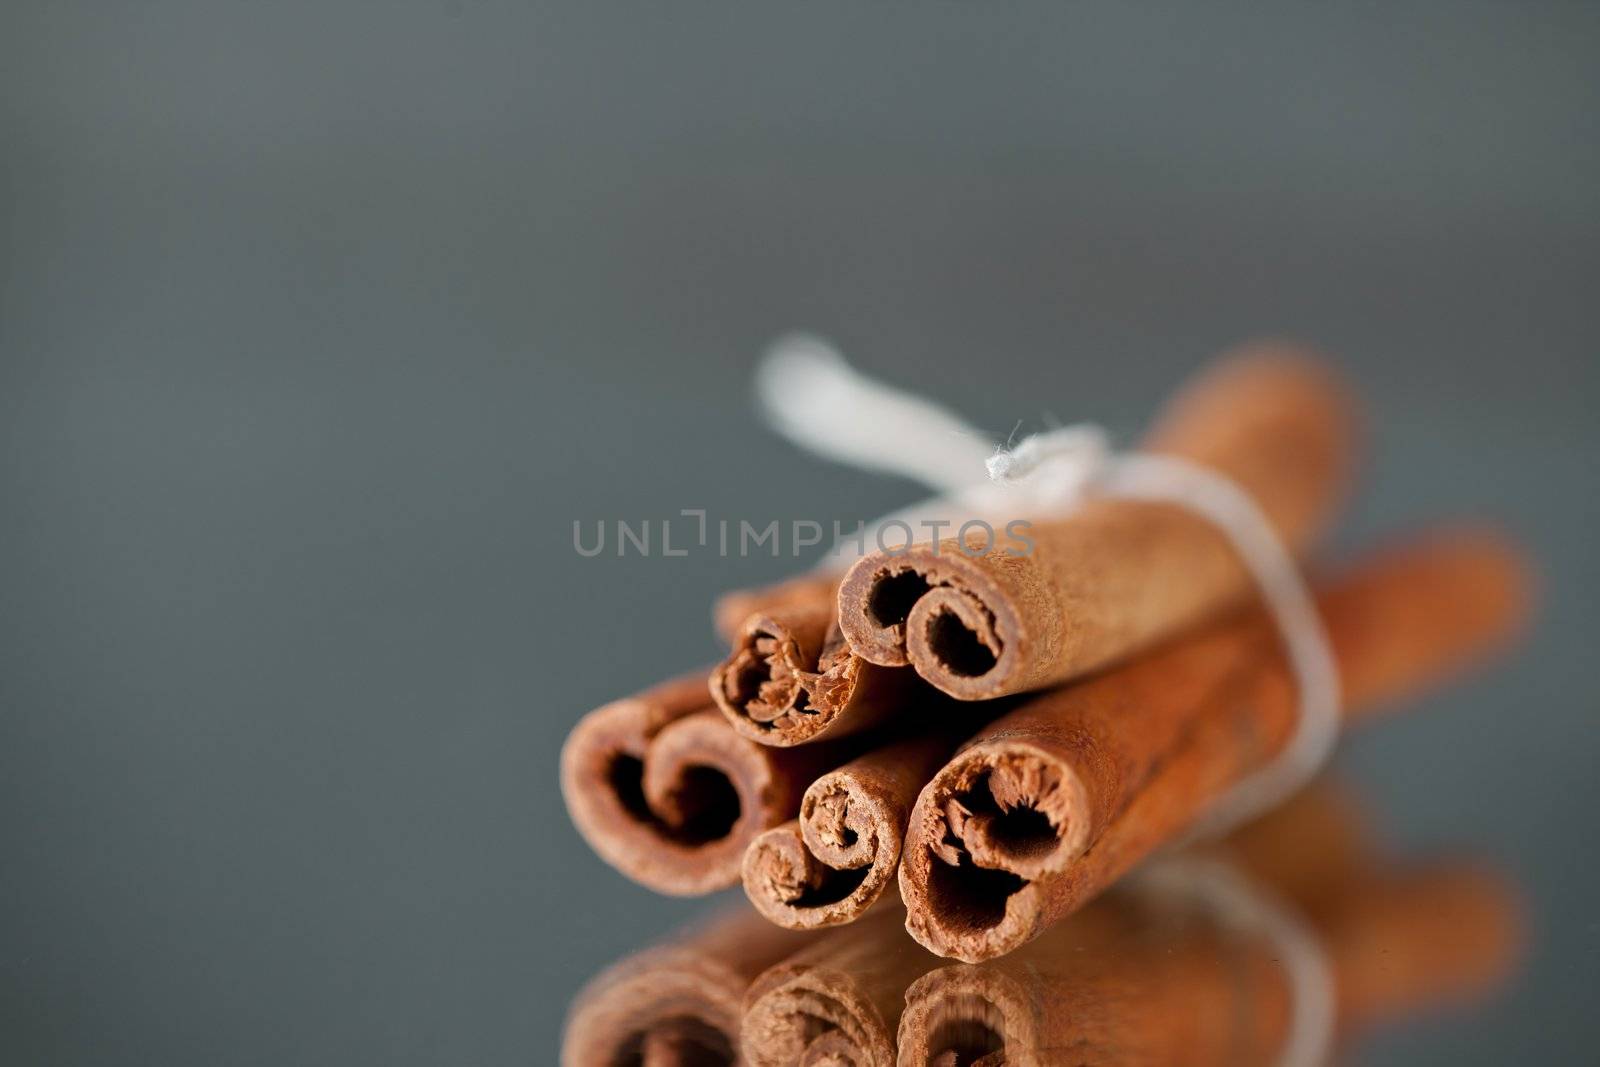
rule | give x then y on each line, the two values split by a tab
1009	815
834	886
893	595
957	648
681	1041
1022	833
763	685
966	895
702	806
961	1039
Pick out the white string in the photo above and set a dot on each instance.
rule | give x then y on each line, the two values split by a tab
814	398
1241	904
817	400
809	394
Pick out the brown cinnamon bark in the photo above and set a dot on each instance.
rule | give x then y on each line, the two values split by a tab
1114	575
791	679
833	863
1051	804
677	1004
1170	987
664	790
837	1001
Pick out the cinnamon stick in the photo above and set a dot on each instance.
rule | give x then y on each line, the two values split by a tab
1049	805
832	863
1114	575
665	791
678	1004
791	679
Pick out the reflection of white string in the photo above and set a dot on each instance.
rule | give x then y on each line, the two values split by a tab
813	397
1243	905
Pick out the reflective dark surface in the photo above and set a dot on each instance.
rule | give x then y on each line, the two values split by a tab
1288	943
321	322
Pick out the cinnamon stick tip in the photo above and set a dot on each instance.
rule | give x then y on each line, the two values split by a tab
670	807
998	817
934	607
829	866
1010	804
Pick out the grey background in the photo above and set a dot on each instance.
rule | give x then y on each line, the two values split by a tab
321	323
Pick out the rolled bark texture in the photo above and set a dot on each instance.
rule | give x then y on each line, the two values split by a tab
1110	577
834	862
1052	803
666	792
790	679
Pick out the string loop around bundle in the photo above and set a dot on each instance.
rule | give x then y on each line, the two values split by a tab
852	419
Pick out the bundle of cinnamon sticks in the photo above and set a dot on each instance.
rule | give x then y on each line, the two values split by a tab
998	736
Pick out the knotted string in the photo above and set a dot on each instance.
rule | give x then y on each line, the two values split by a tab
810	395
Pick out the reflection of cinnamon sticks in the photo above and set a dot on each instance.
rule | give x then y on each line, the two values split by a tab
1316	843
835	861
1135	980
1150	974
843	995
1122	984
664	790
1052	803
1114	574
1443	932
678	1004
1155	972
836	1001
